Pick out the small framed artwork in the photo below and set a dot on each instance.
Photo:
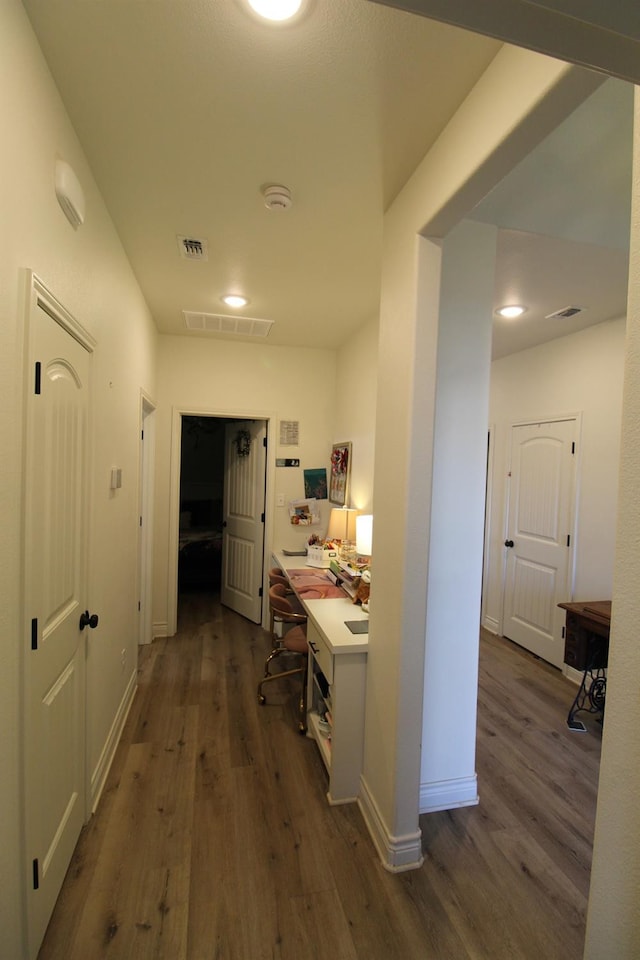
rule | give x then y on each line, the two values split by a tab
340	473
315	483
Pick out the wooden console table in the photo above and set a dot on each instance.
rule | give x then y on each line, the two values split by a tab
586	648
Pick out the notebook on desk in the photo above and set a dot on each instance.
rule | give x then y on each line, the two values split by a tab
357	626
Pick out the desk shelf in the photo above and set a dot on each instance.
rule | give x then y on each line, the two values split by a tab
323	742
343	696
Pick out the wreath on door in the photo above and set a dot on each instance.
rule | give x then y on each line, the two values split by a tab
242	443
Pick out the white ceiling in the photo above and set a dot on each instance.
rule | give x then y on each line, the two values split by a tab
186	109
564	219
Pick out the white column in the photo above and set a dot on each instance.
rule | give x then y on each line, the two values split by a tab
613	922
448	777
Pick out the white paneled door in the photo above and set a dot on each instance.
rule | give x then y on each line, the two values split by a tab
539	531
55	595
243	517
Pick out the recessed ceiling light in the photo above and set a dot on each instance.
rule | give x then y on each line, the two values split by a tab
276	9
511	311
234	300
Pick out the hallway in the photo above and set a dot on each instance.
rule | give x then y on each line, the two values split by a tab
213	838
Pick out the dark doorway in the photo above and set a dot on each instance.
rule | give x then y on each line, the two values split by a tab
201	501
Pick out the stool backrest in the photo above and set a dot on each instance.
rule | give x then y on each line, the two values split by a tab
280	604
277	576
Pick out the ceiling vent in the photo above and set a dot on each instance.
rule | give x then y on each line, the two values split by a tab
192	249
564	314
218	323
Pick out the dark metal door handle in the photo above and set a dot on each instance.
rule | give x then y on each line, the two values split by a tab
508	543
88	620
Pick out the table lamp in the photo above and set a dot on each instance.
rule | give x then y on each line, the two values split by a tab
364	534
342	527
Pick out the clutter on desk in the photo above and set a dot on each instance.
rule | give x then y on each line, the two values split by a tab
320	552
305	512
313	584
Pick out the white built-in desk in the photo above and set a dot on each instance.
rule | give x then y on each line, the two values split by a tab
335	686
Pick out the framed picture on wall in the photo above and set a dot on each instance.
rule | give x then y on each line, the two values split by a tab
340	473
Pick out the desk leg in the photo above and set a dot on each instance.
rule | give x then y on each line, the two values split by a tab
589	698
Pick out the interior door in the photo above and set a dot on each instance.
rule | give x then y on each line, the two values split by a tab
145	528
243	517
54	550
539	535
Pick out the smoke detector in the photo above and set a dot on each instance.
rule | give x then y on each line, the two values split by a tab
276	197
69	193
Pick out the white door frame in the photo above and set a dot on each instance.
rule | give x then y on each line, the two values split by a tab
38	296
146	496
573	516
174	495
488	500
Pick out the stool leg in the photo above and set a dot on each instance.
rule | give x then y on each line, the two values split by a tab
302	703
275	676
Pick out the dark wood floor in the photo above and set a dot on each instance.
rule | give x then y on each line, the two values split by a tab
213	839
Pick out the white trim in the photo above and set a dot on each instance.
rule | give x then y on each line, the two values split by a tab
99	775
146	487
42	297
488	500
491	624
340	802
572	674
159	629
397	854
449	794
36	296
177	413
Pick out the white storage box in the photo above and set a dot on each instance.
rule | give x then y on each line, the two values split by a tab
319	557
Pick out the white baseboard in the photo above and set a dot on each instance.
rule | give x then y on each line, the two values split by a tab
572	674
490	624
448	794
160	629
99	776
396	853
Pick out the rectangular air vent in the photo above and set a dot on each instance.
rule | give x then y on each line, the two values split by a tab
218	323
193	249
564	314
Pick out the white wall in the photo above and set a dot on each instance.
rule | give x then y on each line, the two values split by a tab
581	373
225	378
613	919
518	100
355	416
88	272
502	119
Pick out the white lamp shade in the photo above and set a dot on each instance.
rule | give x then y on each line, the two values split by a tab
364	534
342	524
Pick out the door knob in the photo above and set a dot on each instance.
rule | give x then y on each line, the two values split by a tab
88	620
508	543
